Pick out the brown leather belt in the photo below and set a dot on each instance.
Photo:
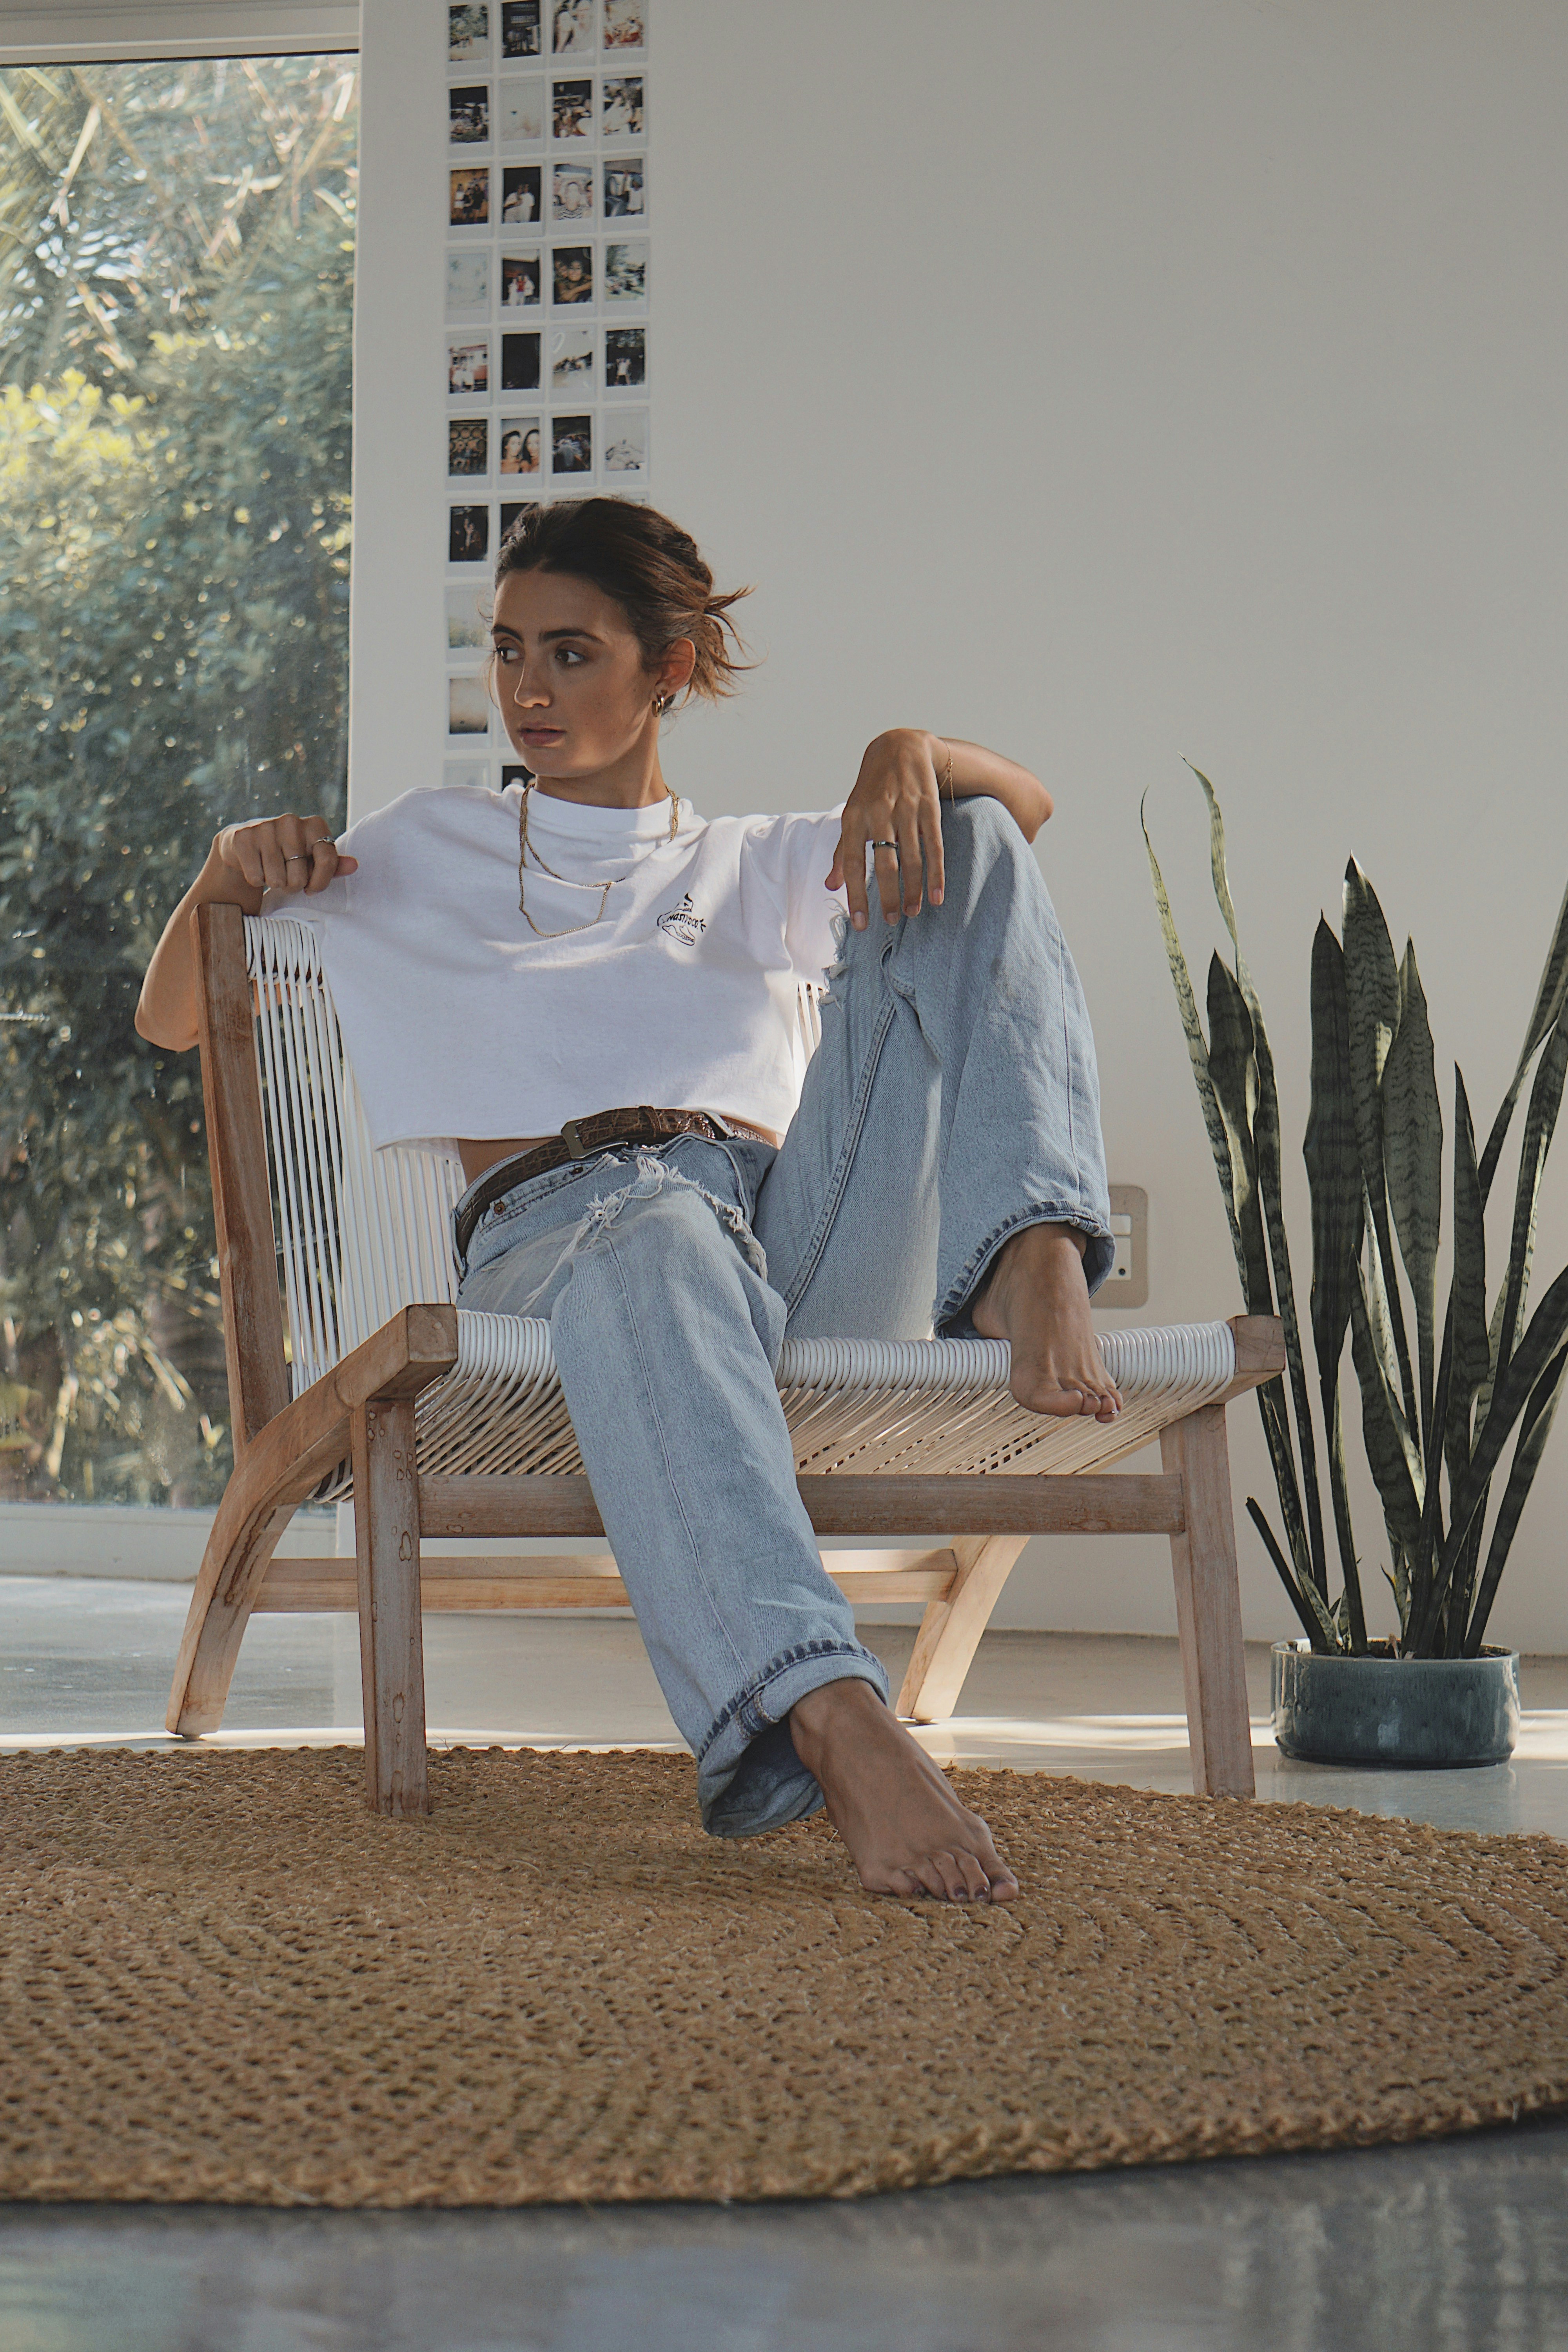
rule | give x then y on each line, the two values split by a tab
577	1140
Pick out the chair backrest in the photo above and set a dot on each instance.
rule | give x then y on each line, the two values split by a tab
360	1232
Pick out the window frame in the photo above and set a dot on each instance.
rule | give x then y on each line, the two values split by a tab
119	32
152	1542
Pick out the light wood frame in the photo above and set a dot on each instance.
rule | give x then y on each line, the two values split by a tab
364	1410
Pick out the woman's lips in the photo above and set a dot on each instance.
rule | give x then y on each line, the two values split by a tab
539	737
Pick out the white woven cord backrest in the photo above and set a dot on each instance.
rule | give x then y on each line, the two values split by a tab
360	1232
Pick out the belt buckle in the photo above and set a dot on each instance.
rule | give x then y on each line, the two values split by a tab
573	1140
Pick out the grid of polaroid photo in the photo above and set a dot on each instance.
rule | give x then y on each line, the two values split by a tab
545	338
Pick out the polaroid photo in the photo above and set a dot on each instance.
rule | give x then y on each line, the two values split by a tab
520	112
521	193
571	275
621	110
469	204
467	534
571	108
520	446
626	271
571	28
626	442
570	363
519	28
625	358
625	195
468	285
474	775
519	363
521	280
571	445
468	627
467	366
468	706
511	516
626	25
467	32
467	446
572	196
469	113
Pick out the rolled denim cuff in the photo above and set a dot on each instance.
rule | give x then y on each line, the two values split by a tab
952	1319
749	1777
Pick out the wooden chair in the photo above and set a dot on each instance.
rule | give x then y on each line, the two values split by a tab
357	1375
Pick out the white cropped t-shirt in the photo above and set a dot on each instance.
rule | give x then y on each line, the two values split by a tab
461	1021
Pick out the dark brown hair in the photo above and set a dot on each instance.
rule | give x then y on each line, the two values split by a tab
651	567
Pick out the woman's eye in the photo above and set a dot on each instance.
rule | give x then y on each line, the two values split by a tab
568	654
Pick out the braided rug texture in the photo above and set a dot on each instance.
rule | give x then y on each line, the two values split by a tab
221	1979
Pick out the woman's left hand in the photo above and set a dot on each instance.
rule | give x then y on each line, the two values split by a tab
896	799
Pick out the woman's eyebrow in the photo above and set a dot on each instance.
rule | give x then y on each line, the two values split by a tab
546	636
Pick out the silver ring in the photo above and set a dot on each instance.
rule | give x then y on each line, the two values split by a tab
298	859
884	845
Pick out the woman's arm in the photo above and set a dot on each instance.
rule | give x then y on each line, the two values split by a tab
246	861
904	776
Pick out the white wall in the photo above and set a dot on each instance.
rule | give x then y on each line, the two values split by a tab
1111	385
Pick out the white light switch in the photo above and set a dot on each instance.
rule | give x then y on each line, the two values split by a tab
1127	1283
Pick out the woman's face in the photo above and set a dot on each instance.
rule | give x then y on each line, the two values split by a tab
530	452
570	679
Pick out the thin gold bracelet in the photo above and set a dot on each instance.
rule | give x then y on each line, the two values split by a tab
946	783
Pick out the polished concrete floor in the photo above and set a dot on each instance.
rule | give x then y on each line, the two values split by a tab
1462	2244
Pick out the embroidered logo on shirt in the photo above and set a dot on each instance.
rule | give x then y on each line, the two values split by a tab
683	923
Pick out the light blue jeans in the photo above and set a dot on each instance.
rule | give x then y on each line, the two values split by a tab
953	1099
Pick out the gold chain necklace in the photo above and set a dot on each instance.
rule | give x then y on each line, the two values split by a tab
603	889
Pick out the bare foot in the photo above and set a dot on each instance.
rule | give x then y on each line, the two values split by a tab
906	1831
1038	1300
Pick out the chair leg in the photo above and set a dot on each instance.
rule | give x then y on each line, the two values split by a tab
391	1644
951	1628
1208	1606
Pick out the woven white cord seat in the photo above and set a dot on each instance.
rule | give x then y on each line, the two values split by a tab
362	1232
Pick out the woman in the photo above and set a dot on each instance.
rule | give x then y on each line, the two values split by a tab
519	961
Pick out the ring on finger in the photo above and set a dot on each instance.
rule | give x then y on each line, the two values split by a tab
882	845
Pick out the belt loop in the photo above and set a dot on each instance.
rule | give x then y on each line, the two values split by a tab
573	1140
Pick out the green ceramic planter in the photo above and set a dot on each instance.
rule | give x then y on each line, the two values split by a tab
1405	1712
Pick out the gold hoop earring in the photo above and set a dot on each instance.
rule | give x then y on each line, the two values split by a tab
661	705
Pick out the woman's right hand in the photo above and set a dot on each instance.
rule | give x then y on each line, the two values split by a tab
282	853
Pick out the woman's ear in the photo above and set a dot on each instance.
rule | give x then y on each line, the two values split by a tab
675	670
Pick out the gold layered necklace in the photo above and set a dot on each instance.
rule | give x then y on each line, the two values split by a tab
526	850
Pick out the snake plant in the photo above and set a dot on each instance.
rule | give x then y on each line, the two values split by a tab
1436	1420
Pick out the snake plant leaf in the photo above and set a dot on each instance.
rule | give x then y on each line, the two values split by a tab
1543	1335
1267	1132
1550	1002
1372	992
1304	1598
1374	1299
1232	1072
1539	1127
1472	1354
1333	1163
1197	1048
1534	1430
1276	1423
1386	1437
1412	1155
1339	1493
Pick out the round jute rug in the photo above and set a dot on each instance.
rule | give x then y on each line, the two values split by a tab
224	1980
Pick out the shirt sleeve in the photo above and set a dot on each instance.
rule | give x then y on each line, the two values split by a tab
807	850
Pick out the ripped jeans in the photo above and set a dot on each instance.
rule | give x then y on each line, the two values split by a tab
953	1099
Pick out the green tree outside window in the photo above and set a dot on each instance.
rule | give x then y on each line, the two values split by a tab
176	277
